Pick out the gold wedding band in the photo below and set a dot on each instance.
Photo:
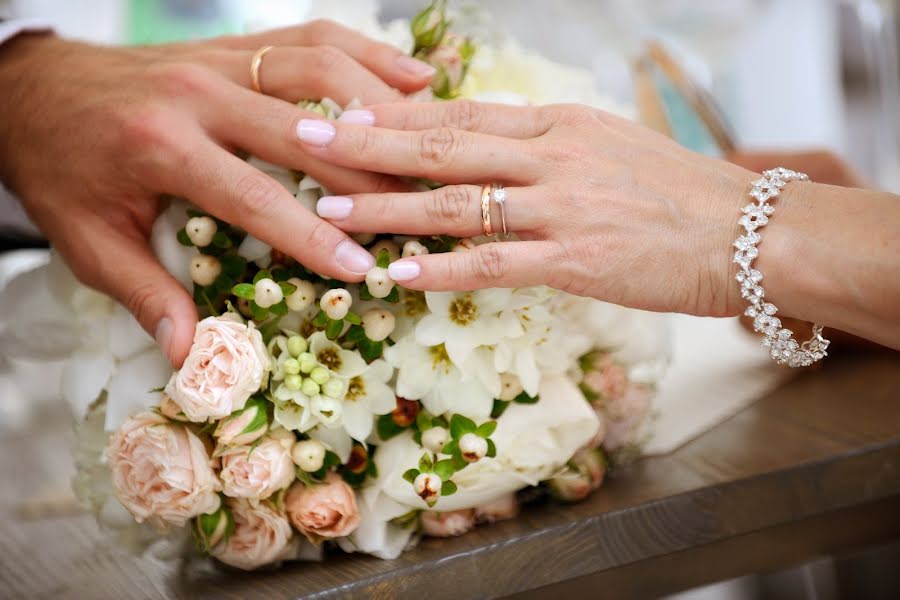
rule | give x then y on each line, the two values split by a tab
486	209
255	64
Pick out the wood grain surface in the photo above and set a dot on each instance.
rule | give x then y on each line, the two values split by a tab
813	468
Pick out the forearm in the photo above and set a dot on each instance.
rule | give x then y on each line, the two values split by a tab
831	255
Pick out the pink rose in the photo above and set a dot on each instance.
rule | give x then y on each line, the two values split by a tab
324	510
447	524
503	508
226	365
257	472
262	535
626	416
161	471
598	438
607	378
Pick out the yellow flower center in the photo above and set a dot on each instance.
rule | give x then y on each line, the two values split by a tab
330	358
463	310
414	303
356	389
439	358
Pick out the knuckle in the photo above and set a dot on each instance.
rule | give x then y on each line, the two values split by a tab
149	139
490	262
257	195
465	114
182	79
450	204
320	29
321	236
328	60
438	146
364	141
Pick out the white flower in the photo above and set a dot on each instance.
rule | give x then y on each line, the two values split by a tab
368	394
346	364
463	321
292	409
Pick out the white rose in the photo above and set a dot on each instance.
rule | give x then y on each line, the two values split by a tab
161	471
225	366
262	535
257	472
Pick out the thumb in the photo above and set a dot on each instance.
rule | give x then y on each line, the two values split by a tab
130	273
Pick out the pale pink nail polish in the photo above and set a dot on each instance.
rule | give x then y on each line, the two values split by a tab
358	117
315	132
353	257
416	67
334	207
404	270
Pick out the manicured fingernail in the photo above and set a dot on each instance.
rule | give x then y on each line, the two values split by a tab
315	132
416	67
334	207
357	117
404	270
163	334
353	257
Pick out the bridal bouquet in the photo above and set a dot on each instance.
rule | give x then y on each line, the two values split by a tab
311	412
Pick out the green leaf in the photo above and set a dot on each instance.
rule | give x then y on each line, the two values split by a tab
394	296
355	334
263	274
233	265
448	488
425	463
444	469
423	421
287	288
183	238
451	448
460	425
383	260
353	318
486	429
320	319
281	274
279	309
334	328
244	290
221	240
492	449
499	407
193	212
258	312
411	475
223	284
370	350
386	427
524	398
364	294
459	462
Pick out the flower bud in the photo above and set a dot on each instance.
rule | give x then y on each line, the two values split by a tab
170	409
245	426
405	413
378	323
320	375
585	473
336	303
510	386
359	459
293	382
447	523
297	345
267	293
205	269
414	248
291	366
434	439
429	26
333	388
309	455
310	387
302	297
201	230
451	59
463	245
379	282
307	362
428	487
210	529
472	447
390	245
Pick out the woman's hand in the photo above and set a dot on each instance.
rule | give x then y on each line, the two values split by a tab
605	207
93	136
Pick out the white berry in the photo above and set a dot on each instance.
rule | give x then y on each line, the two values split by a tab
309	455
434	439
428	487
389	245
414	248
363	238
510	386
267	293
201	231
379	282
463	245
303	296
336	303
205	269
378	323
472	447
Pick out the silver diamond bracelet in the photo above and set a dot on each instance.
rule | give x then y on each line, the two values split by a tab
784	349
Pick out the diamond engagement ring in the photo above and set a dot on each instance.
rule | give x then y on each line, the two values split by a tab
498	194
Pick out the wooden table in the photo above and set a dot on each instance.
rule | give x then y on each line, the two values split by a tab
812	469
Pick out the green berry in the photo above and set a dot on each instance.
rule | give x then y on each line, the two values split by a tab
293	382
310	387
320	375
297	345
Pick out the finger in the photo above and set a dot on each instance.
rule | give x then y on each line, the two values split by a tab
122	266
229	188
446	155
387	62
452	210
308	73
520	122
500	264
265	128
